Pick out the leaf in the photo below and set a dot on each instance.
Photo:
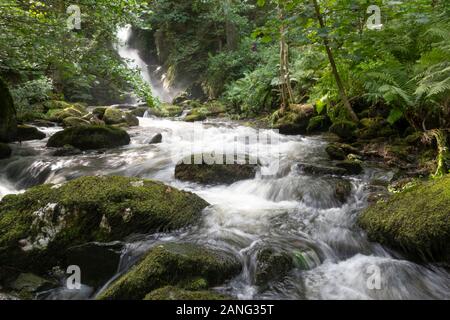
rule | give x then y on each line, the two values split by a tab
395	115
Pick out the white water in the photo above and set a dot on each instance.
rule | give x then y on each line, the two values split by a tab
133	59
289	211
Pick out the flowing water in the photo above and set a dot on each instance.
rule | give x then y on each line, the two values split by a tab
288	211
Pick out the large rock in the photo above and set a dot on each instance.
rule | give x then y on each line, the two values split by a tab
97	261
8	122
27	133
416	221
173	264
344	129
188	170
5	151
37	227
272	265
59	115
295	121
113	116
90	138
75	122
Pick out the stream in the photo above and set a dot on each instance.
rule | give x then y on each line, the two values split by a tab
288	210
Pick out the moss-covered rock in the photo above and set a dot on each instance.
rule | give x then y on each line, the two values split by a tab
90	138
131	120
173	264
342	190
374	128
61	105
75	122
5	151
113	116
99	112
27	285
195	116
352	167
168	110
295	121
344	129
335	152
8	121
175	293
27	133
415	221
189	170
318	169
319	124
37	227
272	265
59	115
140	111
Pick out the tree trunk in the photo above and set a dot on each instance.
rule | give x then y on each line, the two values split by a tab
230	28
285	80
336	75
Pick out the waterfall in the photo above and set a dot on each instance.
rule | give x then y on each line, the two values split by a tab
134	60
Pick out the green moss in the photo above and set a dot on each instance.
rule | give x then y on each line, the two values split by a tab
168	110
295	121
38	226
113	116
416	221
75	122
195	116
374	128
90	138
272	265
175	293
59	115
344	129
172	264
318	124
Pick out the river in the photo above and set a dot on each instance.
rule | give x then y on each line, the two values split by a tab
289	210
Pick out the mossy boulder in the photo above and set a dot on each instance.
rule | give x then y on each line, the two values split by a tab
61	105
196	169
8	121
75	122
113	116
90	138
37	227
335	152
5	151
99	112
415	221
140	111
295	121
352	167
195	116
344	129
319	124
342	190
172	264
374	128
59	115
27	285
28	133
178	294
272	265
131	120
168	110
319	170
